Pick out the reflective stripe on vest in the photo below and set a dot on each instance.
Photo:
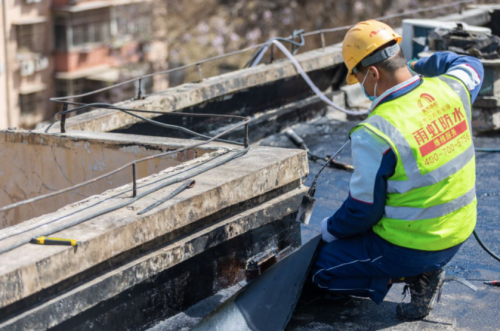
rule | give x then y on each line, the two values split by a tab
431	198
415	214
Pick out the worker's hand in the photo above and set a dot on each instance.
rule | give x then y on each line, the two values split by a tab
325	235
411	66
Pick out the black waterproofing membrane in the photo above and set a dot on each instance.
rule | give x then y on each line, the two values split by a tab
268	302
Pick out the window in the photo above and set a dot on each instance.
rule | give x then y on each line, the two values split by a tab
81	35
87	28
31	38
60	36
30	102
66	87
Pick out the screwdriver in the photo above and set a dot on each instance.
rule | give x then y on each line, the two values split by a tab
493	283
54	241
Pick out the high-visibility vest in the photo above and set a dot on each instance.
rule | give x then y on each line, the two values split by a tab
431	198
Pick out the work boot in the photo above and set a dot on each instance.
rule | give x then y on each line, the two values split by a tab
423	293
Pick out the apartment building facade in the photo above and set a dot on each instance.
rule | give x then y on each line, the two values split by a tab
67	47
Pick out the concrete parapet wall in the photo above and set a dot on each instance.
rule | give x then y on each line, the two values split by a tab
187	95
29	269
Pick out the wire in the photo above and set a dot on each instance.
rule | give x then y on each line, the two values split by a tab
257	56
488	150
160	124
17	204
311	84
124	204
480	242
312	189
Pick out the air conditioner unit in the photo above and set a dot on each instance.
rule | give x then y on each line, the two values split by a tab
415	33
27	68
41	63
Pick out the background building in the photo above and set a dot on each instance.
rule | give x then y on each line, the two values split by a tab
67	47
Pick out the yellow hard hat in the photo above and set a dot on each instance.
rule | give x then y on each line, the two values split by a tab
362	40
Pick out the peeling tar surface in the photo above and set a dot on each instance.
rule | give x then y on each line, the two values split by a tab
459	308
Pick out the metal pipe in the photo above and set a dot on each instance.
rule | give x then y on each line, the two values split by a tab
134	181
164	125
246	142
200	73
63	118
138	93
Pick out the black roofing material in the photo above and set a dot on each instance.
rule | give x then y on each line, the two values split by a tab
268	302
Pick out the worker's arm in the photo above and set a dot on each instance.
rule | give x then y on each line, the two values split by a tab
466	68
374	162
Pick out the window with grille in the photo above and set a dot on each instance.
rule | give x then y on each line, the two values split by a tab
31	38
87	28
60	36
90	27
30	102
67	87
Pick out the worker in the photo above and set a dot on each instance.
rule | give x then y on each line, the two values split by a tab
412	200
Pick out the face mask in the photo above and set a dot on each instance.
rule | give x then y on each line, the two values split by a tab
370	97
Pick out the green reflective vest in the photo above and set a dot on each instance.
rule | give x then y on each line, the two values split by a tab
431	198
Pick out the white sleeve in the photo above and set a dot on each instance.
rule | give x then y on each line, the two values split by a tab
368	150
466	74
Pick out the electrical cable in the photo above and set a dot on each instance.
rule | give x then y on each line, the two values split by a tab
160	124
124	204
309	82
481	243
257	56
299	142
487	150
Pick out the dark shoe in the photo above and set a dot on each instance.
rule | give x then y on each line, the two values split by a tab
423	295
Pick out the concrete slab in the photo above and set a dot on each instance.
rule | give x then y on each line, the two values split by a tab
28	269
105	287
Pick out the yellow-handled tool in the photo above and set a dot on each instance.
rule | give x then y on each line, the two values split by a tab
54	241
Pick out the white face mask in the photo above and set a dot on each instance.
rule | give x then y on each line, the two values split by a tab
371	97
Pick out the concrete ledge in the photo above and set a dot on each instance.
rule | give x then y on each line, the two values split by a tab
186	95
28	269
107	286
